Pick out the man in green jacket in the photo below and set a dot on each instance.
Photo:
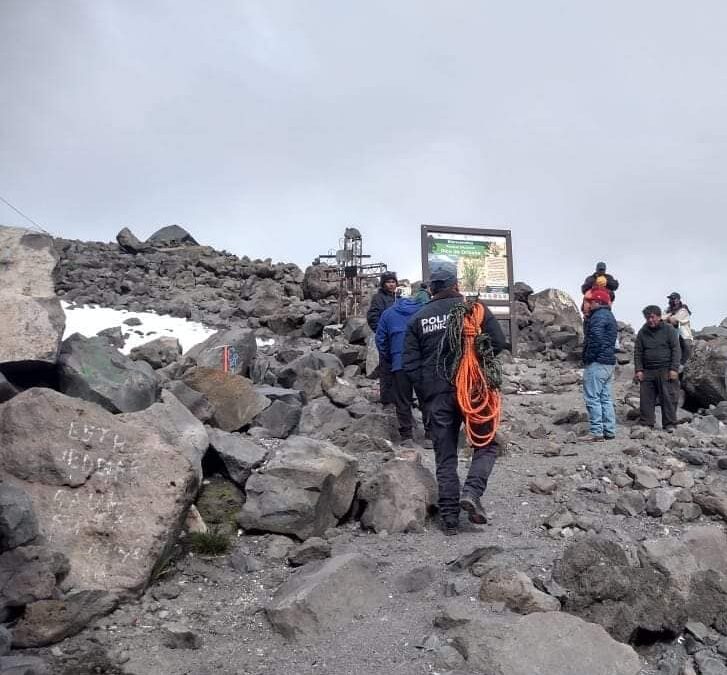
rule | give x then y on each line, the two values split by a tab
656	361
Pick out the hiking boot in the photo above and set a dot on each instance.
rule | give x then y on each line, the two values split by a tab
609	437
408	443
449	528
427	444
472	506
591	439
669	429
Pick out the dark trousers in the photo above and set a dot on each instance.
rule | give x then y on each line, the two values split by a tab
686	346
386	383
445	420
657	385
403	399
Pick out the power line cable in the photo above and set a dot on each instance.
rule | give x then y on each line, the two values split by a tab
18	211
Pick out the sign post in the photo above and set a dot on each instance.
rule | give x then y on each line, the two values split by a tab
483	258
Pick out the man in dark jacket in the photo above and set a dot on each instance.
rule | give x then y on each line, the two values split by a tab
599	359
390	343
380	302
656	361
599	279
425	352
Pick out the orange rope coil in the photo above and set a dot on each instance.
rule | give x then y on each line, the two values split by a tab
478	401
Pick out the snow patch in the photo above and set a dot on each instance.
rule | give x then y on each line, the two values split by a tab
89	320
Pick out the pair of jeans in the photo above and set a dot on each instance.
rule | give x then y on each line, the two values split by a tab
445	420
597	386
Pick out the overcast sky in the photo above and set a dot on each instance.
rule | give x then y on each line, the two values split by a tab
593	131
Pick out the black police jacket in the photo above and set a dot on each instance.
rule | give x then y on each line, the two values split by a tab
422	345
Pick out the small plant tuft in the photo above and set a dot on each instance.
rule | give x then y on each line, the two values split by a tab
212	542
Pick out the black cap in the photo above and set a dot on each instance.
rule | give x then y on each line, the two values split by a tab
601	267
443	277
673	296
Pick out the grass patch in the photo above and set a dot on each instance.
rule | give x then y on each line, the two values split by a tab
212	542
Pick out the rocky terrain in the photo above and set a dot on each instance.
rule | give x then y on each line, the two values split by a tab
245	507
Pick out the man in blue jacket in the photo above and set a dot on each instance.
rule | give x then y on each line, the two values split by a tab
599	359
390	333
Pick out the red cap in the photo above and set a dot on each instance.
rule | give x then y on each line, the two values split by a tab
601	295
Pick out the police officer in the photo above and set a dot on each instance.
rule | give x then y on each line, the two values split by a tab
425	352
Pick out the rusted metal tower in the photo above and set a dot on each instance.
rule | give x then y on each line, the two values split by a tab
351	272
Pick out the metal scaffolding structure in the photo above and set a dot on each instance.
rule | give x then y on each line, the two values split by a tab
349	270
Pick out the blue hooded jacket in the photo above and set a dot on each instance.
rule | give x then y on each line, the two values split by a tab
600	337
391	330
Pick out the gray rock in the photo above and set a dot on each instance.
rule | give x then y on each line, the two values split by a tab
129	243
543	485
317	284
305	488
713	501
176	425
630	503
321	419
108	494
311	549
604	588
47	621
93	370
241	349
239	455
171	235
644	477
560	518
556	643
7	390
516	590
114	336
280	419
18	524
191	399
314	361
686	512
235	401
290	396
704	374
682	479
32	318
158	353
20	664
323	594
448	658
356	330
27	574
398	497
709	664
660	501
178	636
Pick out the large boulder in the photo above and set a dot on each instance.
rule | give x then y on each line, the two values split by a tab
696	565
159	352
171	235
241	348
239	455
305	488
234	399
295	371
176	425
705	374
321	419
7	390
91	369
196	402
630	602
322	594
280	419
398	497
31	318
553	307
108	494
543	644
316	283
129	243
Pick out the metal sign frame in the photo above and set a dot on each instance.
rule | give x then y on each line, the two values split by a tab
504	311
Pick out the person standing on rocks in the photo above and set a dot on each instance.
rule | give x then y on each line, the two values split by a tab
380	302
600	279
390	335
425	351
656	360
599	359
678	315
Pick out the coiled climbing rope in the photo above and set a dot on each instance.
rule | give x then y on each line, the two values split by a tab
474	371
